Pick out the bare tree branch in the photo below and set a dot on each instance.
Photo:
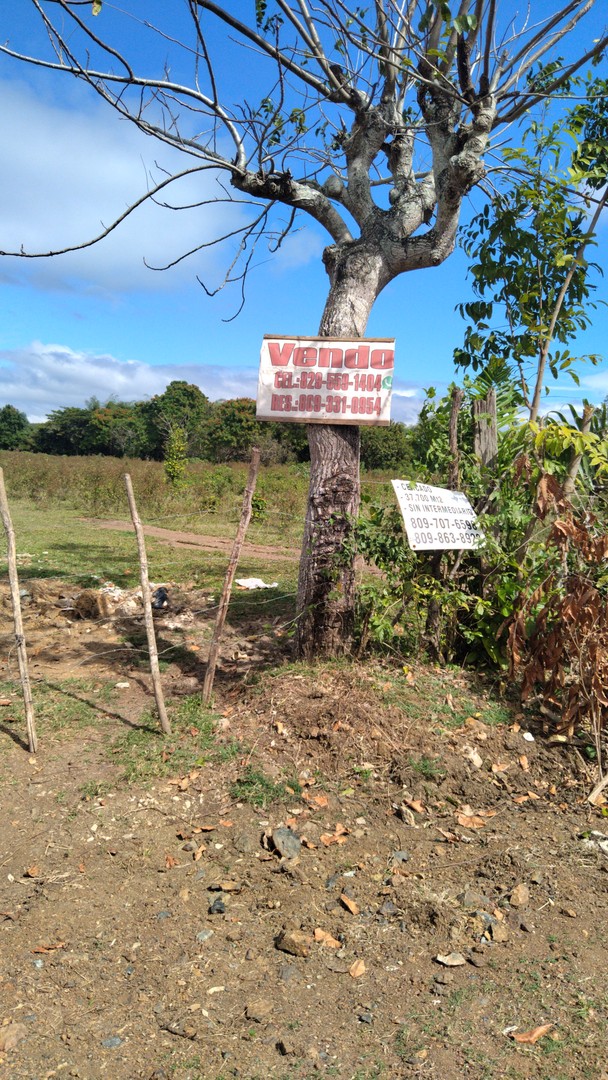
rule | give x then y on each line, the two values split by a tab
149	196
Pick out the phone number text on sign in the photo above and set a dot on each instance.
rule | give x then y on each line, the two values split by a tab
326	381
437	519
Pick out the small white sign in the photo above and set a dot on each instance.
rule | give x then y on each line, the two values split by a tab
326	381
437	519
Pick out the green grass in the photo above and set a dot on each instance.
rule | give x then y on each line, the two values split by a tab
255	787
145	753
56	542
211	494
427	767
432	699
58	708
93	789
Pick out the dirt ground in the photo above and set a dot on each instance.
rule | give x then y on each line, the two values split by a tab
426	897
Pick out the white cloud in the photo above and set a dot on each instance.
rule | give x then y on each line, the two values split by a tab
68	171
407	401
597	383
43	377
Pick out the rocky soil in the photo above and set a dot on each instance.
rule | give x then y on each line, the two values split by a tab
368	872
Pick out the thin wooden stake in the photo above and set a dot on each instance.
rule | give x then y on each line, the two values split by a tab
149	620
594	796
485	430
230	572
18	621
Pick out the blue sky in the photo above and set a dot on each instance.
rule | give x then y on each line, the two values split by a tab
100	323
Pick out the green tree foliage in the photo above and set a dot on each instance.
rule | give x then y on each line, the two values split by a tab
176	455
589	121
117	430
114	429
67	431
527	267
386	447
233	429
14	428
182	404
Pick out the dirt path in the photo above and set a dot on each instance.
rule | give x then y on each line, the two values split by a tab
206	543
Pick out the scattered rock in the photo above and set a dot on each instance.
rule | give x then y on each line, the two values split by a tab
225	887
597	840
453	959
499	932
218	907
246	844
286	843
476	957
388	908
288	972
473	898
401	856
11	1035
520	896
286	1047
295	942
258	1011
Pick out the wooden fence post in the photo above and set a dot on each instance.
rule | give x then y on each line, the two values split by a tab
18	622
231	571
148	617
485	429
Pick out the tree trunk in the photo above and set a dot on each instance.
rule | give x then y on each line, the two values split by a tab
326	587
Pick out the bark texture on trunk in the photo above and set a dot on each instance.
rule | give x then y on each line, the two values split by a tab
326	586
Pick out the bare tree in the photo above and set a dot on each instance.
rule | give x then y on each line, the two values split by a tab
376	121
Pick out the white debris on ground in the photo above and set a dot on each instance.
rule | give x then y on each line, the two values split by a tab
254	583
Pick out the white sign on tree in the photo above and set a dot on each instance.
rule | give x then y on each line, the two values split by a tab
326	381
436	519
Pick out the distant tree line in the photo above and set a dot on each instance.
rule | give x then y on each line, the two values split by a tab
217	432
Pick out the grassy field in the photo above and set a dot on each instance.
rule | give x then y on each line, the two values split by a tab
57	502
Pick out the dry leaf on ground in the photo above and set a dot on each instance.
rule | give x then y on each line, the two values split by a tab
532	1036
470	821
337	837
357	969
